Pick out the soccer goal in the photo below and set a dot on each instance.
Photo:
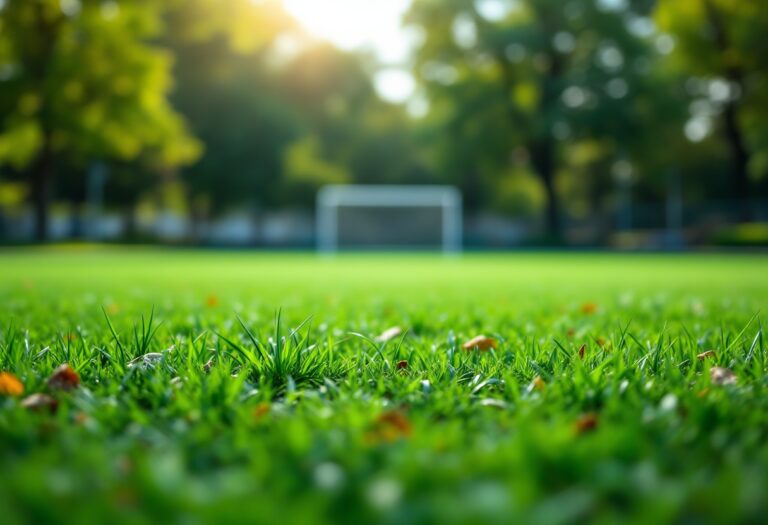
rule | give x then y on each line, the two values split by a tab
389	217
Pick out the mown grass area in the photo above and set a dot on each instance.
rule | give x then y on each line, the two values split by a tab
246	387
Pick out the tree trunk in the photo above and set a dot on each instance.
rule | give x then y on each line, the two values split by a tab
543	163
740	160
734	136
42	179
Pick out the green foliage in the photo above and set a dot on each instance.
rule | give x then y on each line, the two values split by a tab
522	85
721	44
83	79
303	164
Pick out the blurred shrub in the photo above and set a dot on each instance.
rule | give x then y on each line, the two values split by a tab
750	234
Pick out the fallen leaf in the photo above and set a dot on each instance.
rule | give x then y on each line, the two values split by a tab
389	334
212	301
706	355
570	332
39	402
538	384
389	427
493	403
10	385
402	365
602	342
63	378
582	349
148	361
261	410
722	376
586	422
480	342
588	308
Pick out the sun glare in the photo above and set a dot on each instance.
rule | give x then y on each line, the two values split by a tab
356	24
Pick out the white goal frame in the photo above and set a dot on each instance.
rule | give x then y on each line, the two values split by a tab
331	198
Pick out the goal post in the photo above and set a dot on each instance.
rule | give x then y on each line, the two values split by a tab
393	217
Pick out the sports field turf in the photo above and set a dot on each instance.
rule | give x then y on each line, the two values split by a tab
264	395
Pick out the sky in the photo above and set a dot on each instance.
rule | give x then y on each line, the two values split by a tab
373	25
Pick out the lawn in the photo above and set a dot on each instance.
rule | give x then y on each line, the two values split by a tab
252	387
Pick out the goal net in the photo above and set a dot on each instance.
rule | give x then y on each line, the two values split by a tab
389	217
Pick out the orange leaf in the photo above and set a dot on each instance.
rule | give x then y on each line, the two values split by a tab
538	383
722	376
389	334
586	422
480	342
706	355
261	410
40	402
588	308
10	385
63	378
390	426
212	301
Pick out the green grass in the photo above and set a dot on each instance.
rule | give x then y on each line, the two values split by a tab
266	398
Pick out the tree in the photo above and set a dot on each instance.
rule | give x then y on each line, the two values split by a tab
524	80
721	45
349	133
82	80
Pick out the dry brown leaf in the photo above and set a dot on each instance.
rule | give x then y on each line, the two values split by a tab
389	427
389	334
722	376
582	349
402	365
10	385
588	308
261	410
538	384
709	354
480	342
40	402
586	422
63	378
212	301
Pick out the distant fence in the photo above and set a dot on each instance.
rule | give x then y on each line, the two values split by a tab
650	224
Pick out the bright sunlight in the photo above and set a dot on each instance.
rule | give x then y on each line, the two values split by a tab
355	24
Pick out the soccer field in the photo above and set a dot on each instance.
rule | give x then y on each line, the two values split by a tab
257	387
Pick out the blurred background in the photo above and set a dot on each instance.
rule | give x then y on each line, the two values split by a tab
620	123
